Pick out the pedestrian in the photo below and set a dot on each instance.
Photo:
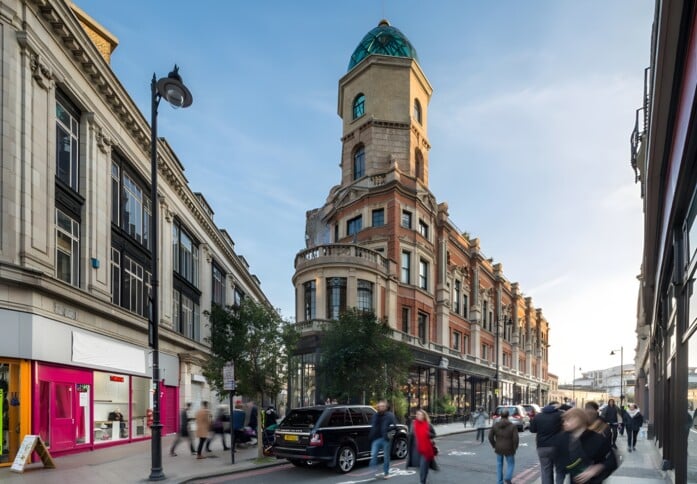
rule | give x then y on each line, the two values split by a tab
253	416
633	420
203	425
595	422
185	419
585	455
422	452
503	437
382	422
547	425
479	422
221	420
610	415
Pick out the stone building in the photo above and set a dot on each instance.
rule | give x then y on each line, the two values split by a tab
76	245
383	243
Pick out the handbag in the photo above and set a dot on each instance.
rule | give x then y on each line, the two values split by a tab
436	450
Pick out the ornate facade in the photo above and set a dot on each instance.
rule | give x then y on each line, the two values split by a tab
383	243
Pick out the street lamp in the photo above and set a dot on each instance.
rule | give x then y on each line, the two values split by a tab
505	320
175	92
612	353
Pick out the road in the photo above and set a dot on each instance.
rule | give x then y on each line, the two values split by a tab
461	460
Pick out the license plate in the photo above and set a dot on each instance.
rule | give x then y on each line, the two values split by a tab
290	438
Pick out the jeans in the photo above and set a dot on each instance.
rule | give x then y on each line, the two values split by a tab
631	438
375	447
613	433
423	470
201	443
480	434
510	464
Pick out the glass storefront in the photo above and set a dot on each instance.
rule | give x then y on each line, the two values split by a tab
691	425
303	391
111	407
141	405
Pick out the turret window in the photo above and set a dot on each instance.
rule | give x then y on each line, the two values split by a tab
336	297
359	163
417	111
359	106
365	295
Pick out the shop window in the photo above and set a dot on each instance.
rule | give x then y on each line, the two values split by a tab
111	407
141	400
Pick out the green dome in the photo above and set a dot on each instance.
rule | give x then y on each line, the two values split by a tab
383	40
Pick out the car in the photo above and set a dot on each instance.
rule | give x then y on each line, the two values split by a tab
336	435
516	415
532	409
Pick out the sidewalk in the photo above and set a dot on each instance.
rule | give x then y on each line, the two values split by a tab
131	463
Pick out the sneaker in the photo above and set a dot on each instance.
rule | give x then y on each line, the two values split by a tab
629	449
634	449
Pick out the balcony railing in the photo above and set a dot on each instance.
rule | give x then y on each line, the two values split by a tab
350	253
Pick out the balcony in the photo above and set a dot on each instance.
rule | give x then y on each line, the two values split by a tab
344	255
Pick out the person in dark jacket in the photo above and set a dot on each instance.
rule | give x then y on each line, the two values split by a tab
595	422
380	424
633	420
610	415
185	418
547	424
585	455
221	420
503	437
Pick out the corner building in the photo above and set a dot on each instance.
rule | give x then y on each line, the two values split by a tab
76	248
382	243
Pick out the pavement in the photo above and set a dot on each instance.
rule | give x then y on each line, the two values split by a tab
131	463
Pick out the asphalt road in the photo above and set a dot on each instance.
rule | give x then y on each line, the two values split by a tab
461	460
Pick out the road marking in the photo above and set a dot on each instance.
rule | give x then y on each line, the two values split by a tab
524	444
394	472
459	452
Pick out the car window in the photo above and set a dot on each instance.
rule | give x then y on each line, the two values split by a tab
369	412
338	418
302	417
357	416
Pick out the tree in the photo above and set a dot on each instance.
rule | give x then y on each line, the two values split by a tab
359	359
255	337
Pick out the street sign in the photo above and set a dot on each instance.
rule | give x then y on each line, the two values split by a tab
229	376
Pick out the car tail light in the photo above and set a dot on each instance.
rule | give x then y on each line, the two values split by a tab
316	440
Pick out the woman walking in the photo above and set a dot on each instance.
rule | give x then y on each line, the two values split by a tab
421	450
479	422
203	425
633	420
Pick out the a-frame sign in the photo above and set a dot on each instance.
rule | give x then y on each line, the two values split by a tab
30	444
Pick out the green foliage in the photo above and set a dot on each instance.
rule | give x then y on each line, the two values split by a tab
257	340
399	405
445	405
359	358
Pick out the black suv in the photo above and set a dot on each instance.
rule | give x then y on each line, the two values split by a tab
332	434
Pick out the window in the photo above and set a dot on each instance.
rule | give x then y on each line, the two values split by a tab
310	295
465	344
238	296
336	233
185	254
419	165
485	352
406	219
336	297
405	320
359	106
218	283
354	225
359	162
417	111
456	297
365	295
135	295
423	229
378	217
484	313
67	249
186	315
406	267
490	321
115	276
466	306
423	327
131	207
423	274
456	340
67	143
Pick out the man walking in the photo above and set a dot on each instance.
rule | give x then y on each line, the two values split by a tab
610	415
547	425
503	437
380	424
184	419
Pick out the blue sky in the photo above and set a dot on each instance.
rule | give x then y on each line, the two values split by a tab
529	124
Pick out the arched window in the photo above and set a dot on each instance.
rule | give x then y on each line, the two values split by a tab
359	106
419	162
359	162
417	110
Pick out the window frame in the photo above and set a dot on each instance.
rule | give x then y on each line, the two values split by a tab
406	319
354	225
358	105
217	284
365	291
73	132
186	266
405	270
381	218
72	235
457	289
358	162
406	219
423	229
310	299
424	273
336	296
418	111
422	327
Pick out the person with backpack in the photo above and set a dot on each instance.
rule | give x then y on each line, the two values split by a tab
547	425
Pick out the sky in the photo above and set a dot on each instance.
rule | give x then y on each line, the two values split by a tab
529	124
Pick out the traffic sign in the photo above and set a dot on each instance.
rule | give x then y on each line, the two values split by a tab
229	376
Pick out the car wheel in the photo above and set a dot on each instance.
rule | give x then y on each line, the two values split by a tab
400	449
346	459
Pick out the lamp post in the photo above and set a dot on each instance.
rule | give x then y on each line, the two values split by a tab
175	92
612	353
507	322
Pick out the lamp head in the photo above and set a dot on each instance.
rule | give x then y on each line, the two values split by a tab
173	90
612	353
